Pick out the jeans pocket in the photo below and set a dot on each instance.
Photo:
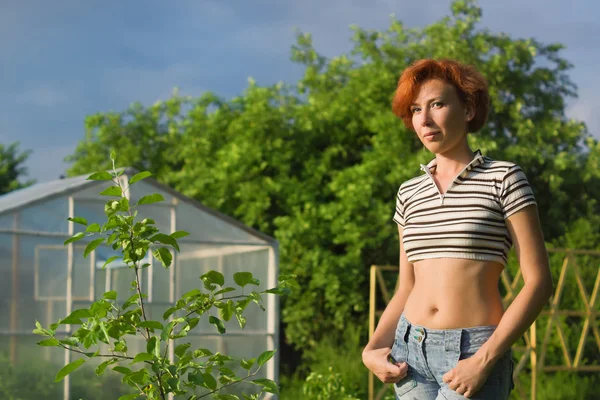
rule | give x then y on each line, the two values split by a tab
405	385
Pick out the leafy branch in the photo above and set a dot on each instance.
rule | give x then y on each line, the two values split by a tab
110	323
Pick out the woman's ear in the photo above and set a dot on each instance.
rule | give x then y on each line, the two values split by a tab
469	113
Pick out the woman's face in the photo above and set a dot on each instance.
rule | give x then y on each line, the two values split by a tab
439	117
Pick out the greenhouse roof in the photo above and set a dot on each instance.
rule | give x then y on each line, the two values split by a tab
17	199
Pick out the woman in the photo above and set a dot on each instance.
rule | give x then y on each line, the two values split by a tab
445	334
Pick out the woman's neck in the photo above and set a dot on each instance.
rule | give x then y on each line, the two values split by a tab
450	163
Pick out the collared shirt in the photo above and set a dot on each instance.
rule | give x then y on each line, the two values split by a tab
468	219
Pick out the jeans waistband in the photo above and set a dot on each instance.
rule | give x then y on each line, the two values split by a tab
451	338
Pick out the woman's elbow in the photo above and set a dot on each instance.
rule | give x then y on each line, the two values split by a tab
545	287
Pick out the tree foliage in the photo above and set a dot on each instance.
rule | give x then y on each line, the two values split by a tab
317	164
12	168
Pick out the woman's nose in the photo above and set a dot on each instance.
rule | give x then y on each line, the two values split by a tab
425	118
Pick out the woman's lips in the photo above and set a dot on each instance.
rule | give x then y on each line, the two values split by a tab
430	136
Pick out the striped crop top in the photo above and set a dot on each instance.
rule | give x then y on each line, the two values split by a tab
468	221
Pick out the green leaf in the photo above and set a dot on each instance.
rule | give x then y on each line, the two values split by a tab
196	378
218	323
81	313
163	255
75	237
121	346
129	396
215	277
93	228
112	191
153	346
165	239
131	300
123	204
181	349
179	234
244	278
122	370
141	357
91	246
169	311
139	176
279	290
225	290
151	324
264	357
209	381
111	295
49	342
192	322
202	353
226	397
267	384
192	293
247	364
71	341
151	198
75	317
100	368
78	220
241	319
110	259
106	338
139	377
100	176
227	311
67	369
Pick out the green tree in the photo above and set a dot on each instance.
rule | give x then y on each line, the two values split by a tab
317	164
12	168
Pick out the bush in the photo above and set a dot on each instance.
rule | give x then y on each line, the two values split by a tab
344	358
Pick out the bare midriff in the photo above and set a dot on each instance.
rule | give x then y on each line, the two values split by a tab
455	293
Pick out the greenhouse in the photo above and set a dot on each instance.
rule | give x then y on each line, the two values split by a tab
45	280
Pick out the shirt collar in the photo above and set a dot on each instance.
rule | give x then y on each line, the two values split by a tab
478	159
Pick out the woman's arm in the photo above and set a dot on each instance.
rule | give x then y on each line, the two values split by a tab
526	232
524	226
375	354
386	328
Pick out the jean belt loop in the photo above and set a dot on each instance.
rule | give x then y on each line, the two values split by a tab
447	340
452	340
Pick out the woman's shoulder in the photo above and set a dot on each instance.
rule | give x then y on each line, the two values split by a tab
412	182
502	166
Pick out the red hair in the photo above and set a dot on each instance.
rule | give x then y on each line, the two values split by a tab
470	86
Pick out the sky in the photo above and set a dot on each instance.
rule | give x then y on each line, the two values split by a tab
62	60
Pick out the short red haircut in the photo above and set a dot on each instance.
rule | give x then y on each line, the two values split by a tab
470	86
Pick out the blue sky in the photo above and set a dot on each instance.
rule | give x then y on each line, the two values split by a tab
62	60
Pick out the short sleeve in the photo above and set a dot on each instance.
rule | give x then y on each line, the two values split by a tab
399	214
516	193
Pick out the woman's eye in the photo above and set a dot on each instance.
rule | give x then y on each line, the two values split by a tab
438	104
415	109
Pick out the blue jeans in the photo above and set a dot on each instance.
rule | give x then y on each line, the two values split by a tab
430	353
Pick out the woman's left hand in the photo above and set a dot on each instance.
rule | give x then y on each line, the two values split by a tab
467	377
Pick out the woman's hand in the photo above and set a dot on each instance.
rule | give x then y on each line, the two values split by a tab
468	376
376	360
